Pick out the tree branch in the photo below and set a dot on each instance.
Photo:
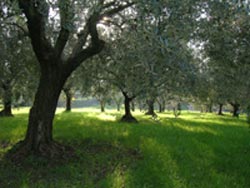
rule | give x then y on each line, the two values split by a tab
36	13
66	16
78	54
25	32
115	10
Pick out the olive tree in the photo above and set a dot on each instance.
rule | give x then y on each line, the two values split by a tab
76	24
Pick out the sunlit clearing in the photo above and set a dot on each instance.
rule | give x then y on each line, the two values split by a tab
118	177
22	110
197	129
106	117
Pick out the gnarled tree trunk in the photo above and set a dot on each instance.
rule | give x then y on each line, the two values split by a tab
39	139
128	116
39	134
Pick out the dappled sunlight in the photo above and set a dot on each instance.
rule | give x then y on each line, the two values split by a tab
190	151
89	110
118	178
22	110
197	129
13	129
160	160
59	110
106	117
17	134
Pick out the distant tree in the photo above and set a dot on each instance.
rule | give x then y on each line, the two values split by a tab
120	70
177	110
101	90
69	93
161	103
16	66
117	97
223	35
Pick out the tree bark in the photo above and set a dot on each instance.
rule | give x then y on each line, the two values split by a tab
7	101
39	134
220	109
236	108
68	94
128	116
39	140
150	111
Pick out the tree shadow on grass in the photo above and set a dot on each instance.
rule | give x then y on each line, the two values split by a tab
178	153
93	165
213	153
210	149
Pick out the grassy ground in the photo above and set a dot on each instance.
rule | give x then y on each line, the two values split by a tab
195	150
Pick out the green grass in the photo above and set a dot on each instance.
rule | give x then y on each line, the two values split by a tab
195	150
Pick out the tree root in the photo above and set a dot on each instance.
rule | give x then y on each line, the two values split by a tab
128	119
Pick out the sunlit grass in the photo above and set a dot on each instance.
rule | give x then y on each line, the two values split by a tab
194	150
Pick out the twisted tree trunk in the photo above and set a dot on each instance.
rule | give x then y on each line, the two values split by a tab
39	139
128	116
